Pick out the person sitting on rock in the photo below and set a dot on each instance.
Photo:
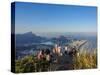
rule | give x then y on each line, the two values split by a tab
41	55
48	56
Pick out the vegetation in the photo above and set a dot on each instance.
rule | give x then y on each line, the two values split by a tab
85	60
31	64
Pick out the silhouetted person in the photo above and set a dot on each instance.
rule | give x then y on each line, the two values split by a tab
47	51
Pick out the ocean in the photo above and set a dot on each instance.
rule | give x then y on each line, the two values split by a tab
91	44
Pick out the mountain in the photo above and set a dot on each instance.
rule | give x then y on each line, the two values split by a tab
28	38
61	40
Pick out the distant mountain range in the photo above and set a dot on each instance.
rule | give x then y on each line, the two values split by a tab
61	40
28	38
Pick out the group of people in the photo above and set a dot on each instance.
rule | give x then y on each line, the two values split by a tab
44	55
71	50
47	54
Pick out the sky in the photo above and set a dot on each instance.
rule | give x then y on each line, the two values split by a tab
51	18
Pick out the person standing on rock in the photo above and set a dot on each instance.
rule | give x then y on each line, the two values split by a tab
66	49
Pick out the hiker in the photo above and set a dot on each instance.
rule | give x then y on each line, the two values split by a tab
48	55
47	51
66	49
73	51
59	50
55	49
41	55
76	51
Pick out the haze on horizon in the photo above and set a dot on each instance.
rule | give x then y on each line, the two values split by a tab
50	18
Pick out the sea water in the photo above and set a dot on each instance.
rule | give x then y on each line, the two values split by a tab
91	43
